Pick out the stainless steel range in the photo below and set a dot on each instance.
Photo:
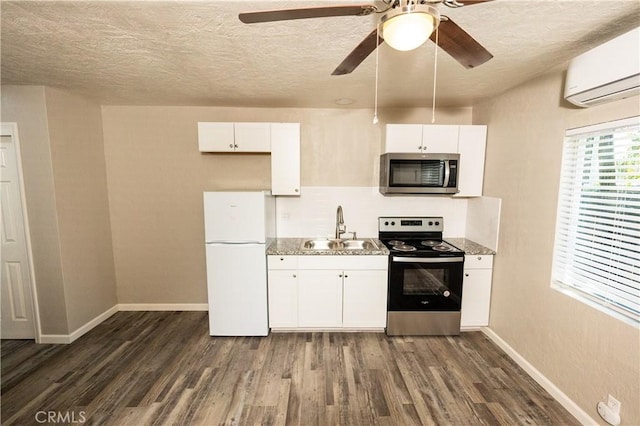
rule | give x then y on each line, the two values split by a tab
425	277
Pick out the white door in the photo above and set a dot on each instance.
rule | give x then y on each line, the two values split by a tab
17	300
237	289
234	217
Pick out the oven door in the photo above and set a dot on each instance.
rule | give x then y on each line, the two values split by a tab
425	284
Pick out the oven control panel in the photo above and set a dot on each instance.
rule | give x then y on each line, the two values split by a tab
410	224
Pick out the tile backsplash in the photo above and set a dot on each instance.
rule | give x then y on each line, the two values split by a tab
313	214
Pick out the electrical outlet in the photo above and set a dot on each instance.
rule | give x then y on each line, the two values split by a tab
613	404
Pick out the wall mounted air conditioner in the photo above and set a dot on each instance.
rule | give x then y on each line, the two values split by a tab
608	72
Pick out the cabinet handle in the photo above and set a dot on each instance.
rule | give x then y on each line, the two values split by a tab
230	145
466	275
346	276
340	275
294	275
296	190
282	258
479	258
235	145
419	148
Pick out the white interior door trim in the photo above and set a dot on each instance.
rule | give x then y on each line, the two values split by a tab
11	129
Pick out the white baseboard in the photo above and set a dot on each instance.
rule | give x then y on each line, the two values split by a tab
69	338
54	339
163	307
542	380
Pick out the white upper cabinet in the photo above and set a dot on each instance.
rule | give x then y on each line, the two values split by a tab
472	143
282	140
467	140
234	137
435	138
403	138
216	137
439	138
252	137
285	158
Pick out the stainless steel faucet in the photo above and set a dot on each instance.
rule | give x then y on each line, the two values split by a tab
340	227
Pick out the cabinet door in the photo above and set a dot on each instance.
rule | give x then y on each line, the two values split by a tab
252	137
471	147
440	138
476	298
215	137
285	158
319	298
283	298
364	299
403	138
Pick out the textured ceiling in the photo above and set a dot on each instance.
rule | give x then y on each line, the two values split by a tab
199	53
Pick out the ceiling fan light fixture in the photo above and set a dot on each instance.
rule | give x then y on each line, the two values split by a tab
407	28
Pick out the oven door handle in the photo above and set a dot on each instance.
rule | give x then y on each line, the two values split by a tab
427	259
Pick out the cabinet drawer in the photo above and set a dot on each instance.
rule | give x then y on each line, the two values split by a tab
342	262
472	261
282	262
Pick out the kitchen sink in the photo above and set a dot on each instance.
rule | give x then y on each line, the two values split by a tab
322	245
360	245
329	244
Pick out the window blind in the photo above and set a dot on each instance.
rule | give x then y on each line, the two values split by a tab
597	241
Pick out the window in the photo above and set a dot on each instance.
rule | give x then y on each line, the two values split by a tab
597	247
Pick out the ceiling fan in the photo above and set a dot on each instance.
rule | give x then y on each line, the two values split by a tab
404	25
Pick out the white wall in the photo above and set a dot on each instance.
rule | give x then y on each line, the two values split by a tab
313	214
584	352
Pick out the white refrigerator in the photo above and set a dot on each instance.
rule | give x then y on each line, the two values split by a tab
238	226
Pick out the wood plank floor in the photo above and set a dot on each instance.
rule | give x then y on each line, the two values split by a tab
140	368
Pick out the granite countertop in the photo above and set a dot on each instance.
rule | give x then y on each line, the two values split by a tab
470	247
291	246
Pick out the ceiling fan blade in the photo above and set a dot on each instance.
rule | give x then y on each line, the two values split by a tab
460	3
460	45
304	13
359	54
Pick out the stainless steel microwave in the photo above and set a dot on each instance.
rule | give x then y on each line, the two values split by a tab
419	173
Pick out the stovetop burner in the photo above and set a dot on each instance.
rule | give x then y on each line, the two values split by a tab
415	237
404	247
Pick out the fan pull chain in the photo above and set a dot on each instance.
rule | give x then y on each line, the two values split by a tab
435	70
375	108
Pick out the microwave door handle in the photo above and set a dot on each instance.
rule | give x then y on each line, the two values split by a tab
447	172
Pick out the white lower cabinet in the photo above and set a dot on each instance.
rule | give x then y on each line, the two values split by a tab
476	291
320	298
328	292
364	299
283	298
